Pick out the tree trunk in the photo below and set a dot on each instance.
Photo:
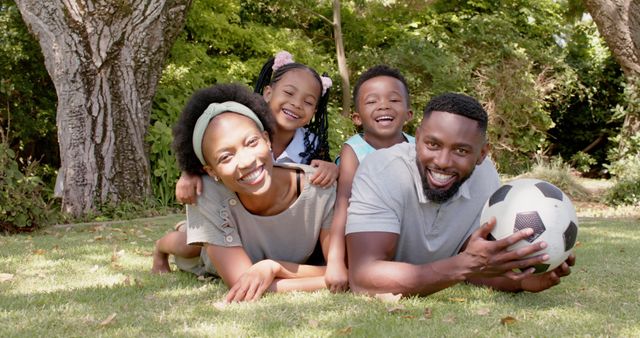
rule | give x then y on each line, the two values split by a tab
342	59
105	59
618	22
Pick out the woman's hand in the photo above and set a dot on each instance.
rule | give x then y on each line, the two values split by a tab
254	282
326	173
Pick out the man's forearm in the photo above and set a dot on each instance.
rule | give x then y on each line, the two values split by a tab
407	279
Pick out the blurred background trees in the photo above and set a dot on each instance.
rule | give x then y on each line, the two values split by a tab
546	76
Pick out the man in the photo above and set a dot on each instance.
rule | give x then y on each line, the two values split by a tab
413	220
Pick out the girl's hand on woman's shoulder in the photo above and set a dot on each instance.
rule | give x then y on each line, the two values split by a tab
254	282
326	173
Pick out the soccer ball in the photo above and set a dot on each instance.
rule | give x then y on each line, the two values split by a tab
536	204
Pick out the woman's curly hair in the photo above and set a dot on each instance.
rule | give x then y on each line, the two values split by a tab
197	104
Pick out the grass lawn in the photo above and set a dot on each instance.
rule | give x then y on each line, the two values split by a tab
94	280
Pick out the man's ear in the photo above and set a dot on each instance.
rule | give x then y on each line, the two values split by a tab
355	117
483	153
267	93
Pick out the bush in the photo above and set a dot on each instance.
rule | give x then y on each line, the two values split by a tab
558	173
23	205
624	192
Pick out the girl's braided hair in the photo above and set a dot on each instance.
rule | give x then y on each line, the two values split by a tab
316	136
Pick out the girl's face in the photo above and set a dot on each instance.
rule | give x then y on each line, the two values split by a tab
293	99
238	153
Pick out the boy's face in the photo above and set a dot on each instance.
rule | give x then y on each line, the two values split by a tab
448	148
381	107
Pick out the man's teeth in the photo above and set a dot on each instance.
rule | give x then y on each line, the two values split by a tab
440	178
252	176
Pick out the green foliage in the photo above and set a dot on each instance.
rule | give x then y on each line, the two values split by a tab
545	77
626	155
625	158
581	105
27	95
625	192
582	161
23	198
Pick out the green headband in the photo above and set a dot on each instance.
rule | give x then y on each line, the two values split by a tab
212	111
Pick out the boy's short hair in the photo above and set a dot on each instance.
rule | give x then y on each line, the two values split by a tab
379	70
197	104
458	104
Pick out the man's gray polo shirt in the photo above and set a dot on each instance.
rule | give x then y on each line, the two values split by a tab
387	196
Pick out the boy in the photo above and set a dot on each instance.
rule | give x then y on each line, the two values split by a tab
381	98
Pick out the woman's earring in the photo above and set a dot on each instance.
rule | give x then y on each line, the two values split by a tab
215	178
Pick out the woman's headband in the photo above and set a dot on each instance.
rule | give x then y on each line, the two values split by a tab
212	111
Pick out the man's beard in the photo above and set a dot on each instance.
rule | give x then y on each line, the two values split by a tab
438	195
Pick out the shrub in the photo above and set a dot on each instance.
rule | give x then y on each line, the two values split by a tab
624	192
558	173
23	205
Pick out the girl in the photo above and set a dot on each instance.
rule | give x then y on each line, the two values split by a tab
298	98
255	222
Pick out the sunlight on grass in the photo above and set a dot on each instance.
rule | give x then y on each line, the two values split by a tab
72	282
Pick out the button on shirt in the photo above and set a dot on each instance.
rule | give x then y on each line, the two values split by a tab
387	196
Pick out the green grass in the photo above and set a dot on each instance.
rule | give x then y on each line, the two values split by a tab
68	281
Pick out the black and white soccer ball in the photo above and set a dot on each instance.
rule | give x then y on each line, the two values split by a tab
536	204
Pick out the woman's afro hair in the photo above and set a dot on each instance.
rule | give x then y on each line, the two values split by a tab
197	104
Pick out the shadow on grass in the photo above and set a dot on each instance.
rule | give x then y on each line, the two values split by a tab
70	283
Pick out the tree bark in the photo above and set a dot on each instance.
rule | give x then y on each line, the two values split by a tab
105	59
618	22
342	59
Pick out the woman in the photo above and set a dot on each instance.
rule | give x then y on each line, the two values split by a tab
255	223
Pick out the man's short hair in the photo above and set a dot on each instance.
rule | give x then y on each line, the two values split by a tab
458	104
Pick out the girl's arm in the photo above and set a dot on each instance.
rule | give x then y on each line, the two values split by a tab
188	188
336	275
249	281
326	173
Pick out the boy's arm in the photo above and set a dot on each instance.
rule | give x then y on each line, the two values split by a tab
336	276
